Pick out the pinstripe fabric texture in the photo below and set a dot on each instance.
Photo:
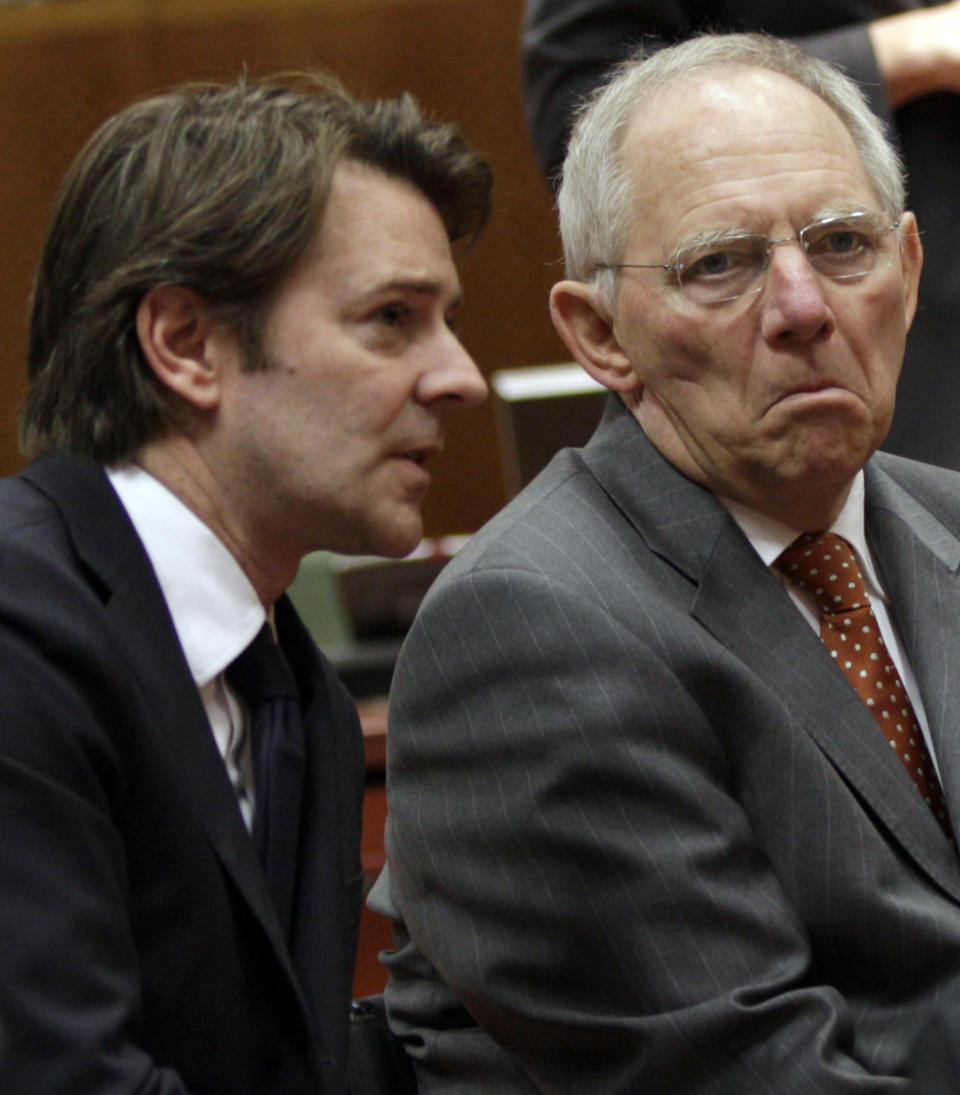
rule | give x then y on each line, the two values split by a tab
643	836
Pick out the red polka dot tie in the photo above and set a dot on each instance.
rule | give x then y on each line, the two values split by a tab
825	566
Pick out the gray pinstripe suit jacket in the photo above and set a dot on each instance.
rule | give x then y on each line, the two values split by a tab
644	838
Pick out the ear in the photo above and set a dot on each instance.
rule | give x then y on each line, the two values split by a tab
176	335
911	260
586	327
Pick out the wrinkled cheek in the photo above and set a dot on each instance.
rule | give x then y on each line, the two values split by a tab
707	399
696	366
882	372
885	383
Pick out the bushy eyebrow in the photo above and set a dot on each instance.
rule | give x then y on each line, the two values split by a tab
839	212
709	240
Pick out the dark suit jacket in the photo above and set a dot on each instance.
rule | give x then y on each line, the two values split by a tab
138	948
569	44
644	836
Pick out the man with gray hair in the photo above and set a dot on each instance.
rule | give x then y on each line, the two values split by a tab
674	766
241	351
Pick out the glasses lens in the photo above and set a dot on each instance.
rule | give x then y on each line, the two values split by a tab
728	266
712	275
848	247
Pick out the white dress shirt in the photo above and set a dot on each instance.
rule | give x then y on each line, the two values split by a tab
215	609
770	538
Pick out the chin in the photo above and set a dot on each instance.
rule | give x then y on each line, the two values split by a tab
835	449
397	538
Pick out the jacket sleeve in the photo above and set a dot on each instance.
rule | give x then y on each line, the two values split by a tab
70	997
568	45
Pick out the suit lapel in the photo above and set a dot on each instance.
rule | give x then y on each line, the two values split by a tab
109	547
768	634
919	560
157	661
736	598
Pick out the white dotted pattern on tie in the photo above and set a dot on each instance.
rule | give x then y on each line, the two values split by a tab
826	567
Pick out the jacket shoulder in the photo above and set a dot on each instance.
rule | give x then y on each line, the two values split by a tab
935	489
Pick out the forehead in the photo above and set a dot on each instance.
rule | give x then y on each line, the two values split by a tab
376	231
739	147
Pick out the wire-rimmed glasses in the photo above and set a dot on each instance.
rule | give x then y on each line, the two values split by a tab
725	265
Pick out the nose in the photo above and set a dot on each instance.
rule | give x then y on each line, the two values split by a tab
453	375
795	307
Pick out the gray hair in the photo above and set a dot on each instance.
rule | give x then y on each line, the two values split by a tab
596	192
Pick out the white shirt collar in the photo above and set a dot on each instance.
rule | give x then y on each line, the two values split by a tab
769	537
215	609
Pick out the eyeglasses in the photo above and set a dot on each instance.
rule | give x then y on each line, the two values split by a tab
727	265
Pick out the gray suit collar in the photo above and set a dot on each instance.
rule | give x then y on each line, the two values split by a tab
678	519
689	528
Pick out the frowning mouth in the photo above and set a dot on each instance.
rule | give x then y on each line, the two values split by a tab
813	388
814	397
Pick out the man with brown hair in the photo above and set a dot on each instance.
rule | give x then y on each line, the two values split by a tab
241	351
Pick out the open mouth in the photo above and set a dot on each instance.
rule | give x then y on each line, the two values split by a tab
419	456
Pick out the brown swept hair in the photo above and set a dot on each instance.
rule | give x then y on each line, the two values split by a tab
220	188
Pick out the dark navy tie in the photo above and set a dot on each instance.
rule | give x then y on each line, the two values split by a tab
262	678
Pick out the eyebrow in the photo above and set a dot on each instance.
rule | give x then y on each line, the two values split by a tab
717	237
838	212
709	238
424	286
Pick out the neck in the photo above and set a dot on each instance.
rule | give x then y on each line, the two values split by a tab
802	514
808	506
180	465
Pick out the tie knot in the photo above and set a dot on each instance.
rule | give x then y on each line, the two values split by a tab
261	671
825	566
